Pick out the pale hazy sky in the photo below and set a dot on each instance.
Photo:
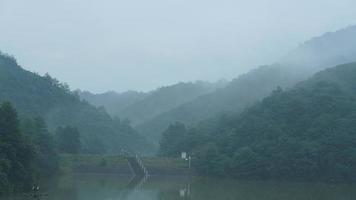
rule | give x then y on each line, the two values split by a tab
101	45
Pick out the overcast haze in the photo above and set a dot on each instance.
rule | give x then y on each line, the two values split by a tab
120	45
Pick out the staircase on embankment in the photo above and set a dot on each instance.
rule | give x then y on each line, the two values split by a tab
136	165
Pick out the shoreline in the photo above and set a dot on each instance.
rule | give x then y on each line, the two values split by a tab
108	164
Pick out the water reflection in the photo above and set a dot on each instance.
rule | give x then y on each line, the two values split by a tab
113	187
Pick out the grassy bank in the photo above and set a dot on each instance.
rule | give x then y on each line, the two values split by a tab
94	164
119	165
166	166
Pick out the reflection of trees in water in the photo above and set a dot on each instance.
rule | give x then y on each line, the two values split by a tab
62	188
109	187
156	187
134	185
66	193
175	193
87	187
53	189
169	195
136	182
211	189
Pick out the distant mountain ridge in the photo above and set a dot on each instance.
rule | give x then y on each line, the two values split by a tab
314	55
328	50
113	102
139	107
166	98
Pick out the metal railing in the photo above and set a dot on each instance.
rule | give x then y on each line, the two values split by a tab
127	154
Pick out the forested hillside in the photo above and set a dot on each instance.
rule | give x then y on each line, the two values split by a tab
140	107
27	152
308	132
34	95
166	98
314	55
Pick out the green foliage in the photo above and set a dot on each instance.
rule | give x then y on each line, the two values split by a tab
308	132
27	151
317	54
45	162
33	95
172	143
68	140
15	153
239	94
93	145
95	163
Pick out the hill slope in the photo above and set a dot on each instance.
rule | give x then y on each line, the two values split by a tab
113	102
33	95
166	98
308	132
140	107
314	55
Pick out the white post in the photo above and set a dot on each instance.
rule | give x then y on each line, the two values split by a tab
190	158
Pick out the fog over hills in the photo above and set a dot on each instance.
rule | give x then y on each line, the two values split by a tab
330	49
43	96
314	55
141	45
307	132
113	102
190	103
178	99
140	107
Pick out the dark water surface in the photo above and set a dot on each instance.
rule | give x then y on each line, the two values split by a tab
113	187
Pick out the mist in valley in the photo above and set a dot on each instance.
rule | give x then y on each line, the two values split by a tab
177	99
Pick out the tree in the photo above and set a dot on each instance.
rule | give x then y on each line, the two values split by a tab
45	162
304	133
15	154
68	140
173	140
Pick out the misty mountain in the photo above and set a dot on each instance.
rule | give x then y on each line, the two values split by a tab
307	132
113	102
167	98
44	96
140	107
314	55
330	49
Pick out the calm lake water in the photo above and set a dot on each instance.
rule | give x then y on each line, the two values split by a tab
112	187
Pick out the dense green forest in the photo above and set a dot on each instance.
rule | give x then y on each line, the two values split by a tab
190	103
310	57
240	93
306	133
27	151
68	140
33	96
